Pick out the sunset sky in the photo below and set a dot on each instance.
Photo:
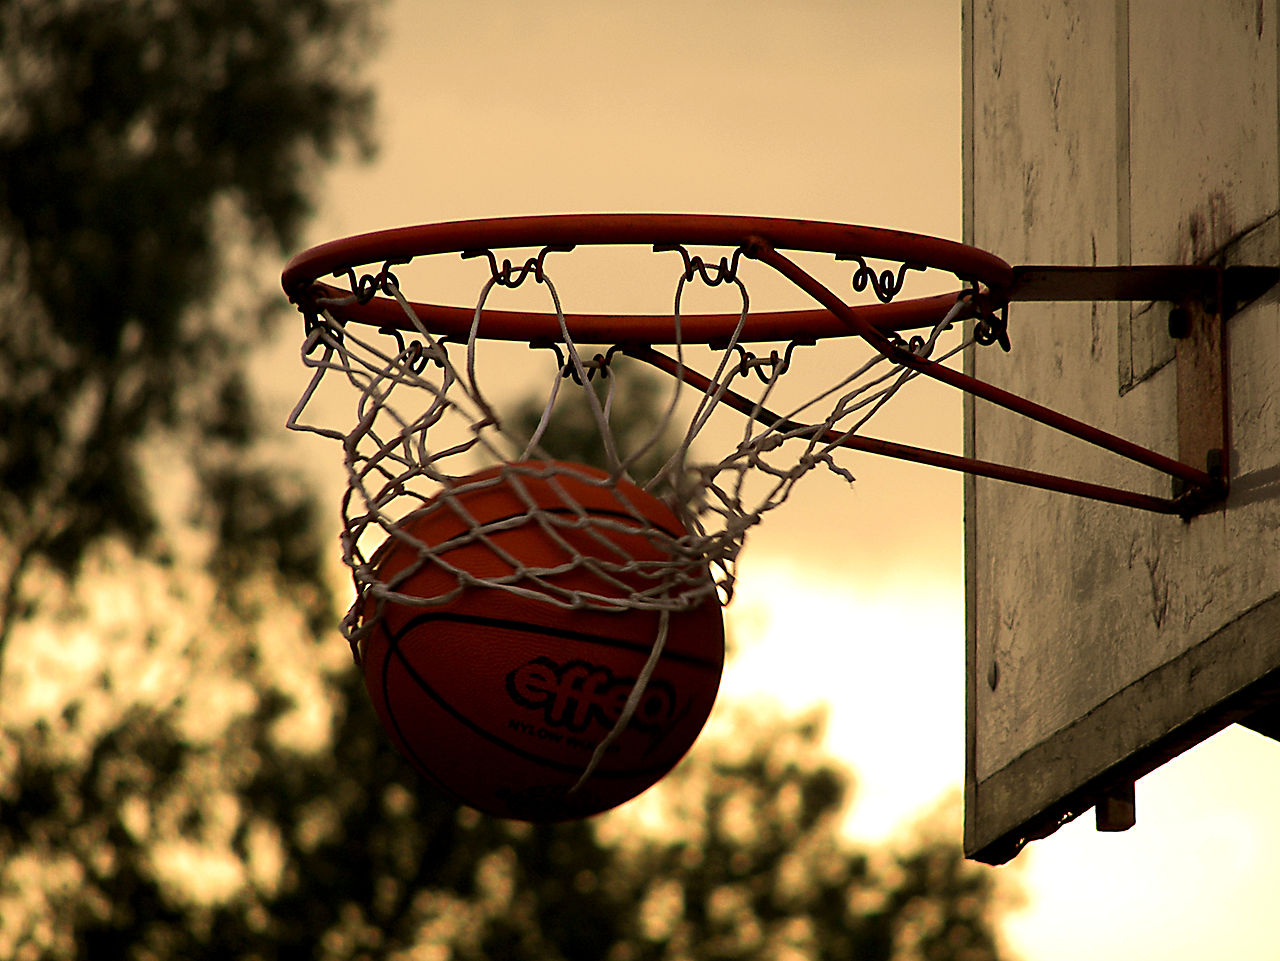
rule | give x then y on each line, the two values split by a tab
827	110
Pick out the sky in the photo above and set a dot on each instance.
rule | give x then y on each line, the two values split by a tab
838	110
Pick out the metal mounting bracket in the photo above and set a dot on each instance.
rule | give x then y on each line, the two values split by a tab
1230	287
1199	327
1204	297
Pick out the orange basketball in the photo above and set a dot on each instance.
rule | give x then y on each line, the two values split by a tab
501	699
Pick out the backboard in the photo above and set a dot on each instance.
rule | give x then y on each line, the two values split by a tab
1101	641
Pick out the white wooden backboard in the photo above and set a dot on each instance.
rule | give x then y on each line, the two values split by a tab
1104	640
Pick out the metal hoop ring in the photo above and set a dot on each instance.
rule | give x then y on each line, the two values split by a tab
970	265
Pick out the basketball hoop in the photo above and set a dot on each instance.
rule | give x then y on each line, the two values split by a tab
389	346
414	366
426	437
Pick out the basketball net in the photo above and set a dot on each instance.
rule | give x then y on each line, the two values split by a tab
423	423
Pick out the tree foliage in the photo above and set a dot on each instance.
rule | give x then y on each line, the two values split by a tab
142	144
192	769
346	855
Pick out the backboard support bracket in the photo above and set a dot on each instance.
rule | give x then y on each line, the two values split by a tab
1204	417
1204	296
1202	288
1232	287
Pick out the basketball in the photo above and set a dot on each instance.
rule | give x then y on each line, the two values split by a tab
500	698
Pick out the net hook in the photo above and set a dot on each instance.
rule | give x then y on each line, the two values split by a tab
886	285
509	275
713	275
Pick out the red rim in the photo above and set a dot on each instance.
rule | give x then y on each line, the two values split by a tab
970	265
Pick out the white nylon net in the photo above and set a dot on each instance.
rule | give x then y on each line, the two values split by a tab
424	425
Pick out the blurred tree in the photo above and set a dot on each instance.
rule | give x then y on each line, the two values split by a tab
151	154
143	145
737	855
187	773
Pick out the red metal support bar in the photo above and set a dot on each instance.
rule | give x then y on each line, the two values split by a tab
919	455
1203	482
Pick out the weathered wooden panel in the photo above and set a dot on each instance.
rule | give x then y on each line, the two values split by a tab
1114	132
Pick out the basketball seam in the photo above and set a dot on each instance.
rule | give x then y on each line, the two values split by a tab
480	620
426	688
